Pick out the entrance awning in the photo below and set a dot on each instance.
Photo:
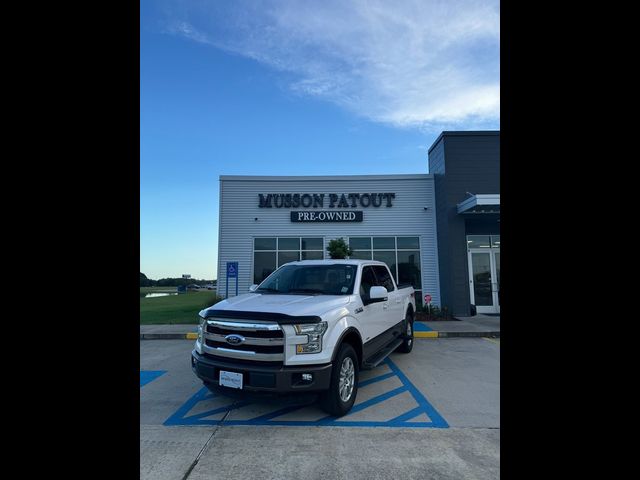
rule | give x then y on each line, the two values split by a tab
480	204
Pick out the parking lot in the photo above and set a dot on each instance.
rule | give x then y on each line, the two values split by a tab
433	413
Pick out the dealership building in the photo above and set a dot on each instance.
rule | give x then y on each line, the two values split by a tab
438	231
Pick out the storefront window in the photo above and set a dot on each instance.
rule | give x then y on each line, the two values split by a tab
264	263
401	254
384	243
409	268
360	243
361	255
271	253
478	241
483	241
408	243
288	244
264	244
286	257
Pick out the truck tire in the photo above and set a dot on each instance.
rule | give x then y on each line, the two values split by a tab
340	397
407	345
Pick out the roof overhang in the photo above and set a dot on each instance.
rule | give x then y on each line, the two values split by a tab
480	204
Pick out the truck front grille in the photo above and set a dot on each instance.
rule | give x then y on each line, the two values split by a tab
259	341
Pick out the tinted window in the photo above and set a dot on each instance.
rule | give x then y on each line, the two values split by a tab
409	268
288	244
360	243
265	244
286	257
368	281
389	258
361	255
312	255
384	243
408	242
312	244
264	263
383	277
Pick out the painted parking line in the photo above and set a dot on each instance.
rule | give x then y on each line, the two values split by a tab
420	330
386	399
492	340
147	376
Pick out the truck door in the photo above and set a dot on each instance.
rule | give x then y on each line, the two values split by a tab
393	313
373	315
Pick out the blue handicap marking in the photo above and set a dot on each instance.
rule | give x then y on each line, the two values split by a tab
386	398
421	327
147	376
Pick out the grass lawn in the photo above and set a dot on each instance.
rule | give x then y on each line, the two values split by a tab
175	308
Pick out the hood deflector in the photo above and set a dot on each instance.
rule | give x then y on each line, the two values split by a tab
280	318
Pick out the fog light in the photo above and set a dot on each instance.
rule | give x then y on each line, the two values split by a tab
307	377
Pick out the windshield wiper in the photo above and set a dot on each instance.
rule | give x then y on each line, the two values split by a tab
306	290
267	289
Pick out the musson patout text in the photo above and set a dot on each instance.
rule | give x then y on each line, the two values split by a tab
317	200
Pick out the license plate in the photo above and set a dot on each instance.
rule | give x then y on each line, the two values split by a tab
230	379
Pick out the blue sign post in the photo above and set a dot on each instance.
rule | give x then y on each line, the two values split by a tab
232	272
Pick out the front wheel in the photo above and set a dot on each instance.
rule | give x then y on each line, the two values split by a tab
343	388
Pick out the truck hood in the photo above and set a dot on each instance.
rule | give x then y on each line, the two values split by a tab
296	305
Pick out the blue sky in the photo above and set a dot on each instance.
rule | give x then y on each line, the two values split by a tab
296	88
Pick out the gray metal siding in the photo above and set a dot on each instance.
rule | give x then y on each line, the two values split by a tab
461	162
407	217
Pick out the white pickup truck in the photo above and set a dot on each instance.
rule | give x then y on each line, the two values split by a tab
310	326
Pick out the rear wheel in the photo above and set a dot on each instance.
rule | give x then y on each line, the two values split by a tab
343	389
407	345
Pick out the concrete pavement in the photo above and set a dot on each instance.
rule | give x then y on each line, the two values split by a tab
458	376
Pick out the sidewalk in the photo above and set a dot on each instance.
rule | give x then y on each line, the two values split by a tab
478	326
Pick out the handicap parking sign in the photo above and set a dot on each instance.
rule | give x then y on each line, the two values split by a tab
232	269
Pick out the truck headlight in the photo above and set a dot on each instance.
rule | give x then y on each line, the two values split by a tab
314	332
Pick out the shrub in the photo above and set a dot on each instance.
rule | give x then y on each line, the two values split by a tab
338	249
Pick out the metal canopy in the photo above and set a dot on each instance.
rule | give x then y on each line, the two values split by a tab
480	204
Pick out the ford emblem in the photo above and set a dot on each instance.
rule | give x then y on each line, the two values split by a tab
234	339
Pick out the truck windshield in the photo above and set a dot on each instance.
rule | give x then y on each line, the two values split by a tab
311	279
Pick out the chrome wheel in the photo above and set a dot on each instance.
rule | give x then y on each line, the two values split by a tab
409	334
347	377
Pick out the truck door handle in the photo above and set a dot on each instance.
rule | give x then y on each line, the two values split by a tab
385	305
398	300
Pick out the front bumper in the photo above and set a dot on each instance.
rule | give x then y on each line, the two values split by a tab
262	378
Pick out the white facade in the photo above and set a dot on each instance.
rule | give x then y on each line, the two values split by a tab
242	220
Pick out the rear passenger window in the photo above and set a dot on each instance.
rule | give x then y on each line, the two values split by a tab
384	278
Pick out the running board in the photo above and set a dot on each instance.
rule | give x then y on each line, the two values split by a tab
381	355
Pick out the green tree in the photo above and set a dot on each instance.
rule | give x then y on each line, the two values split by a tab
338	249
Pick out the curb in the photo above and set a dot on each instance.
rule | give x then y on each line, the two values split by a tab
432	334
436	334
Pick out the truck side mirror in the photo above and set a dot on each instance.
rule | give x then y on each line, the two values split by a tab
253	288
378	294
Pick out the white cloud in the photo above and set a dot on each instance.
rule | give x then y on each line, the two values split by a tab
417	63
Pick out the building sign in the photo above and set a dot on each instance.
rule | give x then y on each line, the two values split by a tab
324	216
318	200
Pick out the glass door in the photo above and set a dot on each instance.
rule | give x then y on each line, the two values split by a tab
496	275
484	272
481	281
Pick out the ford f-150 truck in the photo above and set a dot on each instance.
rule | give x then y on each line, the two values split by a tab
310	326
